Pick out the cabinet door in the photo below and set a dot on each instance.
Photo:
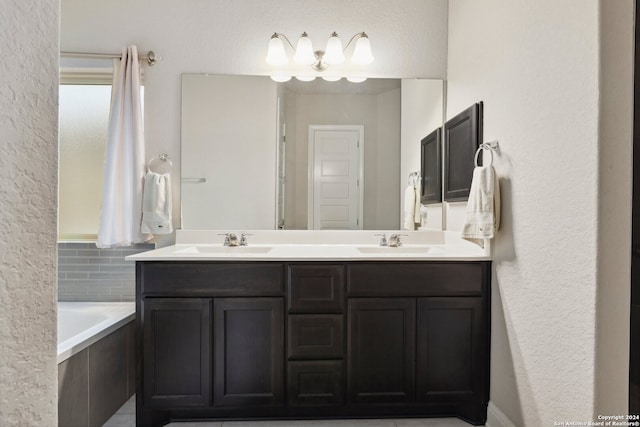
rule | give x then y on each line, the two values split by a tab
451	357
249	351
176	353
462	137
381	352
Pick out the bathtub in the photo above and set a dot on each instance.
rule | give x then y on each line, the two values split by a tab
96	360
81	324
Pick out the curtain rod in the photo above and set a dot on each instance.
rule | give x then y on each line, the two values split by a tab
150	57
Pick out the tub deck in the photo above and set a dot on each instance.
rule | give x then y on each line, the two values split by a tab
81	324
96	355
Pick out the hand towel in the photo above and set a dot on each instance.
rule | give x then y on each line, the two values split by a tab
482	218
417	190
408	222
156	204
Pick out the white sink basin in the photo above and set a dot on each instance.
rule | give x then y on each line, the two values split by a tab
224	250
399	250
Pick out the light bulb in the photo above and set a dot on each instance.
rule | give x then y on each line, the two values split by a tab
275	52
362	52
280	78
356	79
306	78
333	54
304	51
331	78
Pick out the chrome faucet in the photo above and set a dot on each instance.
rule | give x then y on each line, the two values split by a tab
383	239
243	239
394	240
230	239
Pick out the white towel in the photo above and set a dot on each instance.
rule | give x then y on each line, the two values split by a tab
411	207
156	204
482	218
417	190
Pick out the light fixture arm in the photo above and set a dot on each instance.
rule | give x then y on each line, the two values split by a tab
278	35
361	34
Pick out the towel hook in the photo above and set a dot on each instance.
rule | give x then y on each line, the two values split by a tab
160	164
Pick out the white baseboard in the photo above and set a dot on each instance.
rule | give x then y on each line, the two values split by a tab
497	418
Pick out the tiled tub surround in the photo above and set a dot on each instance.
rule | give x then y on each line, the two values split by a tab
87	273
96	369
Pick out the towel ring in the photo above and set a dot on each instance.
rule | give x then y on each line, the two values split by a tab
479	150
413	178
160	164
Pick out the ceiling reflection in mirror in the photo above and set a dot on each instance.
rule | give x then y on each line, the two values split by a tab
257	154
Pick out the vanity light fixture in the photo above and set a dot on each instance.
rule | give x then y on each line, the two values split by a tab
319	59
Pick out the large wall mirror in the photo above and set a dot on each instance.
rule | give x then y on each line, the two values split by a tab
257	154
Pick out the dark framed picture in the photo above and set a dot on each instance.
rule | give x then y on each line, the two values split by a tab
430	168
462	137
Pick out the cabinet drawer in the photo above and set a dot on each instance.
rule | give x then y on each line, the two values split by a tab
191	279
417	279
315	383
316	336
316	288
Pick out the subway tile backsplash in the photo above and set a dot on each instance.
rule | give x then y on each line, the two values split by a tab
87	273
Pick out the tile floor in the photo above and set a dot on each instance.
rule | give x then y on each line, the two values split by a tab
126	417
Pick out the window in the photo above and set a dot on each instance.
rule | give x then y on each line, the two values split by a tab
84	103
84	118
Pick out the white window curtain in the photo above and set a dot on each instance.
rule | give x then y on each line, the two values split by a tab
121	216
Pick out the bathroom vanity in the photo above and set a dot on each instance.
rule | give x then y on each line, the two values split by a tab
291	333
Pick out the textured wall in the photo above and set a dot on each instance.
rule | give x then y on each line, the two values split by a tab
537	67
28	176
86	273
408	37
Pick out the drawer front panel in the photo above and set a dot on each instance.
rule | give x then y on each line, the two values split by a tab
315	383
416	279
316	288
316	336
168	278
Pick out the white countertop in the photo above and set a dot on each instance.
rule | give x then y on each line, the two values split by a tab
302	245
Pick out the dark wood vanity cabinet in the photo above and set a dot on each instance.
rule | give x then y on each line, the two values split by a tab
422	339
249	352
219	340
382	350
316	335
177	338
452	357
